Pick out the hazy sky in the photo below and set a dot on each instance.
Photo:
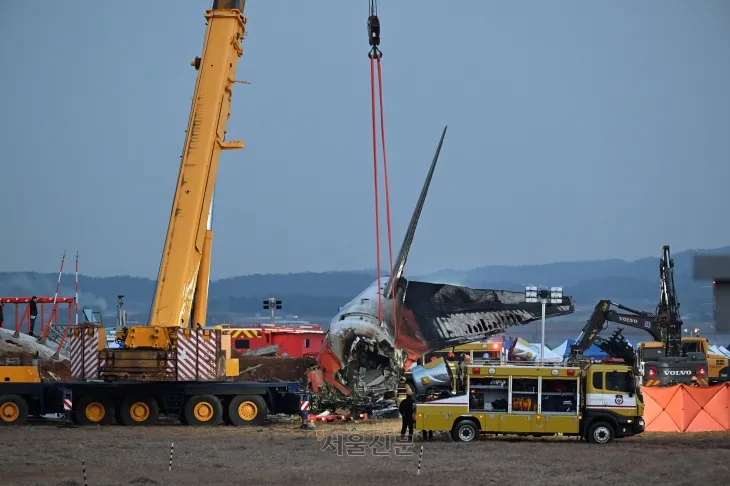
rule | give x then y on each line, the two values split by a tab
610	120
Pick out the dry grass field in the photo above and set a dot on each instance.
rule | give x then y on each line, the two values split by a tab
42	454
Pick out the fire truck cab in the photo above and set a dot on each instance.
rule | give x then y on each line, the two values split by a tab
596	402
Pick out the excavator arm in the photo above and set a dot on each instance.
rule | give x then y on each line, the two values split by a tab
185	265
668	308
602	314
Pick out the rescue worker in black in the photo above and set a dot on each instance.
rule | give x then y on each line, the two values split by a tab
2	315
406	411
33	313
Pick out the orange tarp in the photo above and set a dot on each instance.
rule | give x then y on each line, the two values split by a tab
683	408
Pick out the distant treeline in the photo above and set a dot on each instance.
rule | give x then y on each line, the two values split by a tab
322	294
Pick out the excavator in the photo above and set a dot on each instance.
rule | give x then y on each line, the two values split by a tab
667	360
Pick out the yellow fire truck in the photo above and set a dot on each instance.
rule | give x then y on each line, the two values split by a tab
597	402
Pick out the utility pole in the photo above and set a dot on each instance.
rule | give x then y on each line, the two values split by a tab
272	304
552	296
76	298
121	313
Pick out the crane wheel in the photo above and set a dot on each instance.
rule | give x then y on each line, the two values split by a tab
93	410
13	410
203	410
139	410
247	410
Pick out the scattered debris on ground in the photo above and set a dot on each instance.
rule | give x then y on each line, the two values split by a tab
25	343
51	369
274	368
271	350
24	350
390	411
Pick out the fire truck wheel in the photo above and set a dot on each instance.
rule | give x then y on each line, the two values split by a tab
13	410
247	410
601	433
93	410
139	411
465	431
203	410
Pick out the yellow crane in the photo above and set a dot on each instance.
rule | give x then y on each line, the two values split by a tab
168	367
181	293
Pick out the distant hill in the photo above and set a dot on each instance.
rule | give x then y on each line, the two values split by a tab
318	295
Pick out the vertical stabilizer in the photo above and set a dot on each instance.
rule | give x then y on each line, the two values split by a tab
400	263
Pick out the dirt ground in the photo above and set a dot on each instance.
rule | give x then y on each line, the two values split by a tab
42	454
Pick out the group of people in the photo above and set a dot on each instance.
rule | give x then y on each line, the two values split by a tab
33	314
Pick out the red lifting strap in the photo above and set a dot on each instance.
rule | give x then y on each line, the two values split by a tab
375	179
375	54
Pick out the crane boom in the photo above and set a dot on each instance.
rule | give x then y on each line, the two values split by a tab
188	230
182	282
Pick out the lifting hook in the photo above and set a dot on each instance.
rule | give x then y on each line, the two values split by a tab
374	32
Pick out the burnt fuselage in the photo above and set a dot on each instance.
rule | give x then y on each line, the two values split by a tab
426	317
388	327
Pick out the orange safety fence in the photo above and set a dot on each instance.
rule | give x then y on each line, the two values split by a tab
682	408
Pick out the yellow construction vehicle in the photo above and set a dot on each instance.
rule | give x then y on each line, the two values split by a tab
718	366
596	402
670	358
169	367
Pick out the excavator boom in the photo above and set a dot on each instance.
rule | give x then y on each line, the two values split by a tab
668	308
602	314
665	326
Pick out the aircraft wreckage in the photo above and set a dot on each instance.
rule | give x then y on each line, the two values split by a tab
362	357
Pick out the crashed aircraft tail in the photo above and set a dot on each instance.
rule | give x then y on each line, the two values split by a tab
435	316
364	356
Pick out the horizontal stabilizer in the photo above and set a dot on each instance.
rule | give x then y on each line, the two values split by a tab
436	316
